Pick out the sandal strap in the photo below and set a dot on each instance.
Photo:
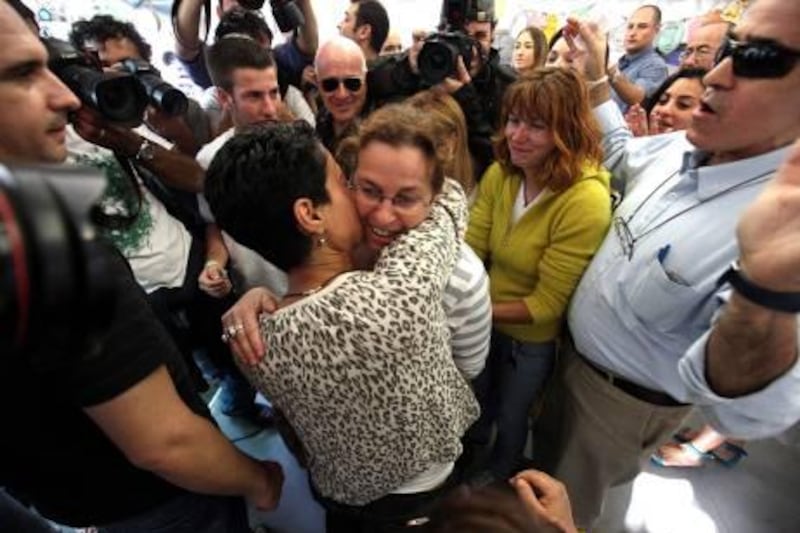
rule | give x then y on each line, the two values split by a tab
689	447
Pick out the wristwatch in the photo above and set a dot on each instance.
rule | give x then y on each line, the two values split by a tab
146	151
787	302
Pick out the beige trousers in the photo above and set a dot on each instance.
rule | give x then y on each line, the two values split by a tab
592	436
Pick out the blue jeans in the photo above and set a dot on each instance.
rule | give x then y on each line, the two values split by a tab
190	513
515	372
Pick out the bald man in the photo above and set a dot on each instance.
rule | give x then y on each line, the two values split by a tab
341	71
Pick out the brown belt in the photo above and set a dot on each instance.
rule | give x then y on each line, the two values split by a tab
637	391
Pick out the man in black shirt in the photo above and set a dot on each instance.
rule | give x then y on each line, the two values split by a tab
115	438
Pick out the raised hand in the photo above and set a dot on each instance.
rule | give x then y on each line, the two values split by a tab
769	230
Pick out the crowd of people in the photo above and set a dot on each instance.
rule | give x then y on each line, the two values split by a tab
473	305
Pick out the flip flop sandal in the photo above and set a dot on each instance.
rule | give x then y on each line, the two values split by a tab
686	447
728	454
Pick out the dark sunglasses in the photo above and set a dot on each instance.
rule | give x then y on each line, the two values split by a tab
331	84
759	59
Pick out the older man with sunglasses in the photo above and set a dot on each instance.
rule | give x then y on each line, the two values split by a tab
341	70
661	320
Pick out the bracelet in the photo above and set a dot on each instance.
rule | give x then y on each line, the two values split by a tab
596	83
211	262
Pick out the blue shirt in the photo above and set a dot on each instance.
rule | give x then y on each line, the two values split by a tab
647	69
646	318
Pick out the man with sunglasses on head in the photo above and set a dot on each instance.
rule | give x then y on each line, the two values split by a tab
661	321
341	70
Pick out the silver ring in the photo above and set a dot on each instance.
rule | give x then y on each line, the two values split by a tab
225	338
231	331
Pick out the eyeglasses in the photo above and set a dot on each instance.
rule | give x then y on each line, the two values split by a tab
700	51
351	84
402	203
758	59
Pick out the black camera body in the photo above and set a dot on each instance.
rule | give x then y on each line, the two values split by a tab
439	55
287	15
117	96
160	94
285	12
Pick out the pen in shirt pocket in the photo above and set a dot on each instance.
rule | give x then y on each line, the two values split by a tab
671	274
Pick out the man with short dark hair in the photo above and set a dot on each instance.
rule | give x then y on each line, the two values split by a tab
140	451
245	76
247	79
367	23
640	71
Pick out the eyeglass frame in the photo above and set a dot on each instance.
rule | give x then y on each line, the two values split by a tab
736	49
700	51
349	80
375	196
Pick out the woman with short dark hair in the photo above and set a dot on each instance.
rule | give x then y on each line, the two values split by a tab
357	361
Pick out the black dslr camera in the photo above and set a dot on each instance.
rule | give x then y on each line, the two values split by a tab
117	96
439	55
55	293
286	13
160	94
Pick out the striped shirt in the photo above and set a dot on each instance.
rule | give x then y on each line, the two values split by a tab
469	312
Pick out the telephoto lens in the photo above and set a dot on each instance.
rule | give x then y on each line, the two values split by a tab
160	94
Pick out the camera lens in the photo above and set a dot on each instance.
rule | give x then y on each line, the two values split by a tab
437	60
120	98
170	100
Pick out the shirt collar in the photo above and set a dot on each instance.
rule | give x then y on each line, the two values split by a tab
630	58
714	179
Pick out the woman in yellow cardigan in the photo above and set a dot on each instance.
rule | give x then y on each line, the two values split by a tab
541	212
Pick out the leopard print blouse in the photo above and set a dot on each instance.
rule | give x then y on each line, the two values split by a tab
362	370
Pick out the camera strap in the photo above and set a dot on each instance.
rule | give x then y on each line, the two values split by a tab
174	205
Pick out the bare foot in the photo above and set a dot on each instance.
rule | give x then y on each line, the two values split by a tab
681	455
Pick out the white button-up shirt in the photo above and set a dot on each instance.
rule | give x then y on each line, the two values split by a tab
646	303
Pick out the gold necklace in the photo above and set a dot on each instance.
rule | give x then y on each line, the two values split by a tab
303	294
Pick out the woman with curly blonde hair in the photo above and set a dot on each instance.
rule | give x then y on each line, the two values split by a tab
541	212
450	132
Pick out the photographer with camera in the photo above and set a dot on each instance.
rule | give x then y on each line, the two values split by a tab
461	61
290	15
183	272
113	436
119	45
